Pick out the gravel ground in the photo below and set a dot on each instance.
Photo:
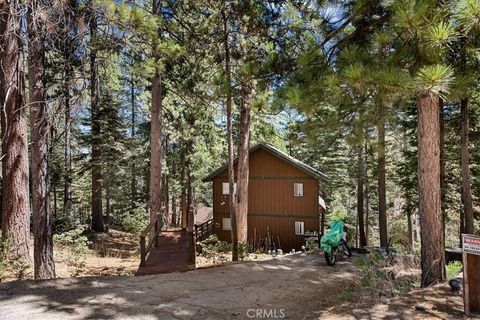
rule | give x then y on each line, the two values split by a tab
289	287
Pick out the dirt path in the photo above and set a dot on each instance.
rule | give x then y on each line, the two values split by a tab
214	293
291	287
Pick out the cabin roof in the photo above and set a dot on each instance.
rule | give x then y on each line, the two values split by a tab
279	154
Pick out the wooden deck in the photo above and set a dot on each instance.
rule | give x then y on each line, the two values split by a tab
174	253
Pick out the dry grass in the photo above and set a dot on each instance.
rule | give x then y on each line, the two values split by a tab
112	253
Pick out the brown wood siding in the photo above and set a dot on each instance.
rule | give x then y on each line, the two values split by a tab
271	201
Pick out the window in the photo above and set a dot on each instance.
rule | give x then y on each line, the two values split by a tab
226	224
226	188
298	189
299	228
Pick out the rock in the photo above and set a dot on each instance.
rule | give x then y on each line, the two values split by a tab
456	284
420	307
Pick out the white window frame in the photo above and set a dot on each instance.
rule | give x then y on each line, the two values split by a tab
298	189
226	188
299	228
226	224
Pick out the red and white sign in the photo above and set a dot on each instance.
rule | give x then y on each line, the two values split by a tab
471	244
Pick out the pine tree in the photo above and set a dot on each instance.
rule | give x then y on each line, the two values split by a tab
14	118
44	266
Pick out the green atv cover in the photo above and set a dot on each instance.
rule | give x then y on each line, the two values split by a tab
332	237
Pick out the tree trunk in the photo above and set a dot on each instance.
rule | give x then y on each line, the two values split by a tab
67	188
44	266
442	160
133	183
464	152
367	197
382	197
108	197
190	192
360	200
432	237
409	228
156	133
243	164
14	118
174	211
183	189
231	172
97	211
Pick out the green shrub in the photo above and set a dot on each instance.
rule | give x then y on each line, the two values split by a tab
11	263
134	223
213	245
76	248
453	269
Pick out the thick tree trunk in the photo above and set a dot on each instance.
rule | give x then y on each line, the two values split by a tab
432	237
14	118
97	211
156	152
442	160
243	164
156	148
382	197
360	199
44	266
231	172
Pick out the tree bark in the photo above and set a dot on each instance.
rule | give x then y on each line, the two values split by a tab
133	182
14	118
409	228
243	164
367	197
382	197
464	152
442	160
231	172
97	210
156	152
432	237
465	167
360	199
67	188
183	189
44	266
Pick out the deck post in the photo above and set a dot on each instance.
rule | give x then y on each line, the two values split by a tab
142	251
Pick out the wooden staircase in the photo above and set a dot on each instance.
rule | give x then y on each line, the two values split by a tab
165	251
172	254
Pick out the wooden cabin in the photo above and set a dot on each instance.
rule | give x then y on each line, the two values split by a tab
283	199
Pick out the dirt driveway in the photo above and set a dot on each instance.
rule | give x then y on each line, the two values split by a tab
287	287
291	287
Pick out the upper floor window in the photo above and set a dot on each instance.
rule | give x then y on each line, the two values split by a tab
298	189
226	224
226	188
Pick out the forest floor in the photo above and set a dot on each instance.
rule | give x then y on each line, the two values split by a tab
299	286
